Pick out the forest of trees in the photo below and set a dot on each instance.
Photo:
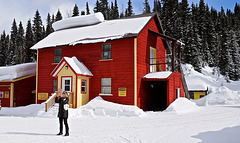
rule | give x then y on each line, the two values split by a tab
211	37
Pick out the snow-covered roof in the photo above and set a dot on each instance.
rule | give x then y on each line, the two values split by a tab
78	21
158	75
76	65
101	32
17	71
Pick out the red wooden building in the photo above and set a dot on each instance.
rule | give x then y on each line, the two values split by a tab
17	84
119	54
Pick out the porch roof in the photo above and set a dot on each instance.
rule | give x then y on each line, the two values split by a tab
77	66
158	75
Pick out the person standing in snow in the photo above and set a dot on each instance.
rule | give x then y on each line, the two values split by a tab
62	99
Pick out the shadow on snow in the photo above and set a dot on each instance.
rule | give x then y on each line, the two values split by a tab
226	135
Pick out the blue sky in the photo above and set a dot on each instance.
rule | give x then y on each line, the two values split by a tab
22	10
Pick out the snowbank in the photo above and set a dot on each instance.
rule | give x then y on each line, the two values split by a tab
79	21
221	96
17	71
23	111
96	107
100	107
182	106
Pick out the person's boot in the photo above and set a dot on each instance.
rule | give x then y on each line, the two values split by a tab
67	134
60	133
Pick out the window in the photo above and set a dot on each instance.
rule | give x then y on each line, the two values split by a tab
54	85
1	94
57	55
66	84
84	86
106	86
153	60
106	51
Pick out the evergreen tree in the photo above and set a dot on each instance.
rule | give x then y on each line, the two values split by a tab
87	9
146	7
115	11
49	28
122	14
37	28
129	10
157	7
58	16
82	12
3	48
12	51
20	44
75	11
234	58
97	7
104	8
111	12
29	43
53	18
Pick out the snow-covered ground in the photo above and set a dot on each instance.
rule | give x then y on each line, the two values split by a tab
217	120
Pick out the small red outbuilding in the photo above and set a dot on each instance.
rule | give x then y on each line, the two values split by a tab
17	85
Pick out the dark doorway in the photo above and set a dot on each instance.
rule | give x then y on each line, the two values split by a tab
157	100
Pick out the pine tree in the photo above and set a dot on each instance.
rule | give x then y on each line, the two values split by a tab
147	8
49	28
12	51
82	12
58	16
97	7
20	44
87	9
234	58
75	11
29	43
129	10
111	12
53	18
115	11
104	8
3	48
37	28
157	7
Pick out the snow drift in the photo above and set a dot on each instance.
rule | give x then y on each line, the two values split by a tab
182	106
79	21
100	107
222	95
17	71
97	107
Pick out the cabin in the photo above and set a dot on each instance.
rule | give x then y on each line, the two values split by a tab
198	93
127	61
17	85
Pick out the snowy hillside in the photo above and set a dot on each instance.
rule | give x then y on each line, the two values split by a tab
220	91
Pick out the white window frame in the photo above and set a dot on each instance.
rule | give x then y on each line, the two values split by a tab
109	85
63	83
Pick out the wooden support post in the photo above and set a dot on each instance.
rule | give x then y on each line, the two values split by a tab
179	57
173	55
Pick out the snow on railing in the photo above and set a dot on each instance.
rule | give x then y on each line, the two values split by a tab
50	102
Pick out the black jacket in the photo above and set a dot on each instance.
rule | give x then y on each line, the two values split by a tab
61	112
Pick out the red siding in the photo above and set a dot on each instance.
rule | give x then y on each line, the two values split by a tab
144	41
174	82
23	91
5	86
120	69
